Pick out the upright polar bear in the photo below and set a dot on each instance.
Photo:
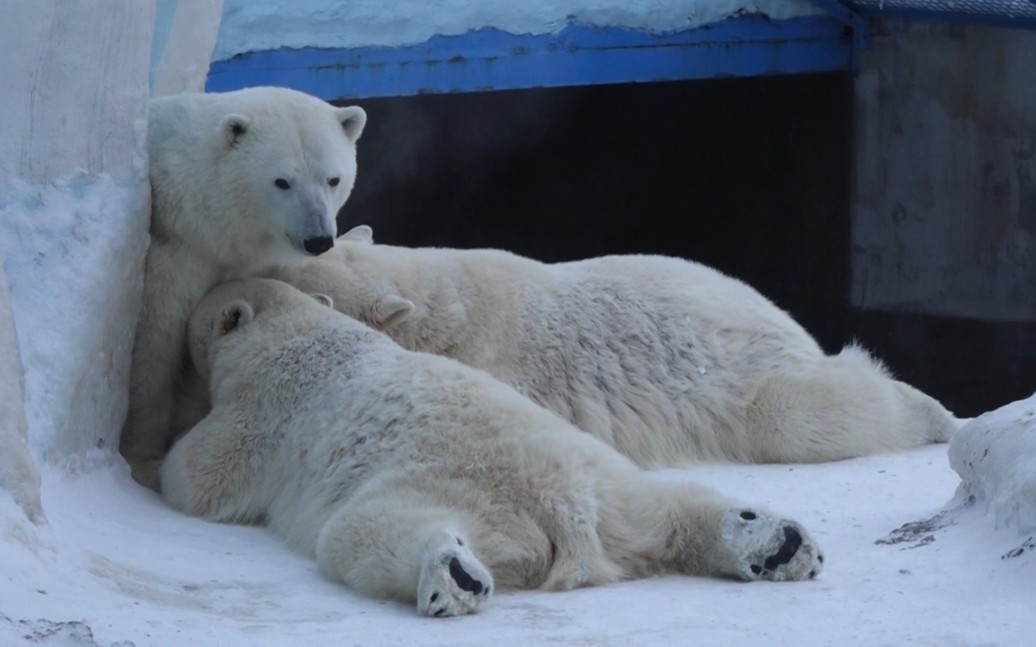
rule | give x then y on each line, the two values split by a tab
238	180
413	477
666	360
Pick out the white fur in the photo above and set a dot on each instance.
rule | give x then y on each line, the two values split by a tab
666	360
217	213
413	477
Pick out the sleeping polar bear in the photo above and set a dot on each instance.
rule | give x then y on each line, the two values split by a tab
413	477
664	359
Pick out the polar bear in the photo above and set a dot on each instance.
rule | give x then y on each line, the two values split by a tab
238	180
413	477
666	360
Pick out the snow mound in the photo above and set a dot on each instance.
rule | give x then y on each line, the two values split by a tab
18	473
73	251
995	456
250	26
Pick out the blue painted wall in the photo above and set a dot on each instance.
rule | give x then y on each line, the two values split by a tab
490	59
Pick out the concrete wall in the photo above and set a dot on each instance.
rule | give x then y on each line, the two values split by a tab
944	215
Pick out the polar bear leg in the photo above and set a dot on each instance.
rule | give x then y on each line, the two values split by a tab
841	406
395	545
159	352
691	529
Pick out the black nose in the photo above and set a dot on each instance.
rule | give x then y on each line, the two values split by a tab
317	246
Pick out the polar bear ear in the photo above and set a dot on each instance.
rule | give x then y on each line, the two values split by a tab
360	234
390	311
234	315
234	127
353	119
323	299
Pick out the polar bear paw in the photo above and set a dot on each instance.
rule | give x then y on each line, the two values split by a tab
453	582
769	548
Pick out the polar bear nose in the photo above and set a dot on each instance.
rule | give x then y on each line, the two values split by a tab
319	245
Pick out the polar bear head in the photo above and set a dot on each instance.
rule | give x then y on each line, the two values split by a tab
239	175
232	309
291	159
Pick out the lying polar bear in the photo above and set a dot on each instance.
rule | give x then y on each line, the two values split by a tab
664	359
413	477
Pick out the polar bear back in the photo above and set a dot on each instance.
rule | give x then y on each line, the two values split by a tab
667	360
335	406
623	344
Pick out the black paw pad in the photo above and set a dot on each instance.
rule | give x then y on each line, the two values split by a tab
463	579
791	545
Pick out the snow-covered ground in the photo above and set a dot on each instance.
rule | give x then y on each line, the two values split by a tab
116	564
915	554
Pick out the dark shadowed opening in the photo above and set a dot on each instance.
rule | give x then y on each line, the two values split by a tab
751	176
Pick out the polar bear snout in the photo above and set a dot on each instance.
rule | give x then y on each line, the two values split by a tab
318	245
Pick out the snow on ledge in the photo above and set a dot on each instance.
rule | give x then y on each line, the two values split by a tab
259	25
995	456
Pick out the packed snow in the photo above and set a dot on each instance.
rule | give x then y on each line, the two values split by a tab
113	565
272	24
917	553
994	456
116	562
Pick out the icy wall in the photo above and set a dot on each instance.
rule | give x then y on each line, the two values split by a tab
185	33
270	24
18	473
73	216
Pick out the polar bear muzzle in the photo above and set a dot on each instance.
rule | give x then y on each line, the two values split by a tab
318	245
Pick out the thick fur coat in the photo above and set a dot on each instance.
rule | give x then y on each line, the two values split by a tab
414	477
667	360
238	180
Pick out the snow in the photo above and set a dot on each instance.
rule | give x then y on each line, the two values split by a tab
185	33
994	456
117	560
62	245
271	24
74	214
18	473
110	564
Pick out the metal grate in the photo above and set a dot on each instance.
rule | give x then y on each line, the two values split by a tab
1007	13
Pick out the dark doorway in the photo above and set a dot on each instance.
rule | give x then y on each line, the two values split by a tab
751	176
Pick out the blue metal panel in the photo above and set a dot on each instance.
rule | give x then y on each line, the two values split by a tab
490	59
858	25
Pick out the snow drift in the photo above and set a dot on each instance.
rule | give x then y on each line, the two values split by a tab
995	456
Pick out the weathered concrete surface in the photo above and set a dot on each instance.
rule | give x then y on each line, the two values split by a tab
944	214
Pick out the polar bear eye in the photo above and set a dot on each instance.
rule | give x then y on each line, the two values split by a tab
333	181
282	184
